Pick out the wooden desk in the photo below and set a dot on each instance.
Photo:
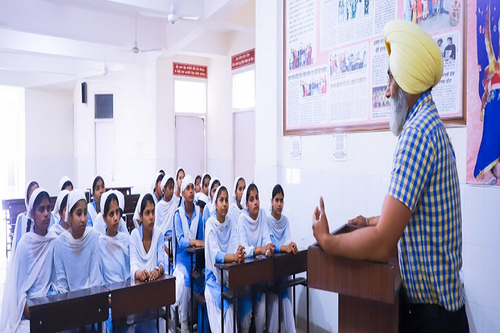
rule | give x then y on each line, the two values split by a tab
288	265
128	212
248	273
69	310
126	190
199	254
368	291
136	298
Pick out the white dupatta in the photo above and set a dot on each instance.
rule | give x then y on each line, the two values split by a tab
31	269
253	233
219	237
77	261
139	258
115	257
279	229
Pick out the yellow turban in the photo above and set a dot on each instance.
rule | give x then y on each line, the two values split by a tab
415	59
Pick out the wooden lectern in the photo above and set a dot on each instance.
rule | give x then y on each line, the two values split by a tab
368	291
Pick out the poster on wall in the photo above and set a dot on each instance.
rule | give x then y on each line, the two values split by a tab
483	89
335	61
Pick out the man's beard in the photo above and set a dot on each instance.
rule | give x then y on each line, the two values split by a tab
398	112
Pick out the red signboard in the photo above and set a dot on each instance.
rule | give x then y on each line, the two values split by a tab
243	59
190	70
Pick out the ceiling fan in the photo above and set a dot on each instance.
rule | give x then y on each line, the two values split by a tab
105	70
135	49
172	16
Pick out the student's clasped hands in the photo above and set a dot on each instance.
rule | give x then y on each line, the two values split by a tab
269	250
240	254
292	248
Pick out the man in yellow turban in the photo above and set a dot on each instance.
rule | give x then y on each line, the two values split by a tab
421	212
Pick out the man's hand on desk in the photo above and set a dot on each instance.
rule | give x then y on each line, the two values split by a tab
320	222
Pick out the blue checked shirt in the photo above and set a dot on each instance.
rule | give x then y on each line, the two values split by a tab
424	178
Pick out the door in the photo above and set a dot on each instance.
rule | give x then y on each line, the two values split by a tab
244	145
105	149
190	144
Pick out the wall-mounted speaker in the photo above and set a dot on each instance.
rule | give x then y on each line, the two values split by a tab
84	92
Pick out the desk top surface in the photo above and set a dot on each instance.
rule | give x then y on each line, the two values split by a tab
194	249
131	284
69	296
247	262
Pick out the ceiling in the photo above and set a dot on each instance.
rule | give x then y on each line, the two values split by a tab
55	42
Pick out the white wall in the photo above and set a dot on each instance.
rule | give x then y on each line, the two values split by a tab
134	108
358	186
49	137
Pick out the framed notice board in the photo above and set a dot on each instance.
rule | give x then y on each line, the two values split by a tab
335	62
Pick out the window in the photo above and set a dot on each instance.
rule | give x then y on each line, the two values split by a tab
244	90
190	96
12	142
104	106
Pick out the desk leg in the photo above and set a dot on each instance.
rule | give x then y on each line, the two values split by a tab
279	306
307	300
294	316
222	300
191	321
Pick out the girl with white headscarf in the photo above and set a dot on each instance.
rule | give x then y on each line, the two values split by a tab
205	182
99	223
157	191
94	207
65	184
59	213
221	246
22	220
188	231
254	235
165	209
113	245
179	176
147	254
281	237
212	187
31	271
77	258
236	208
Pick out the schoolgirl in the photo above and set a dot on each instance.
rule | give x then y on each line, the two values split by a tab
94	207
188	231
179	176
59	213
76	252
147	254
31	270
221	246
254	235
237	192
22	221
281	237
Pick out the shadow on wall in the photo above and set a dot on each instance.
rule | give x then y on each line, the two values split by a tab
316	308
